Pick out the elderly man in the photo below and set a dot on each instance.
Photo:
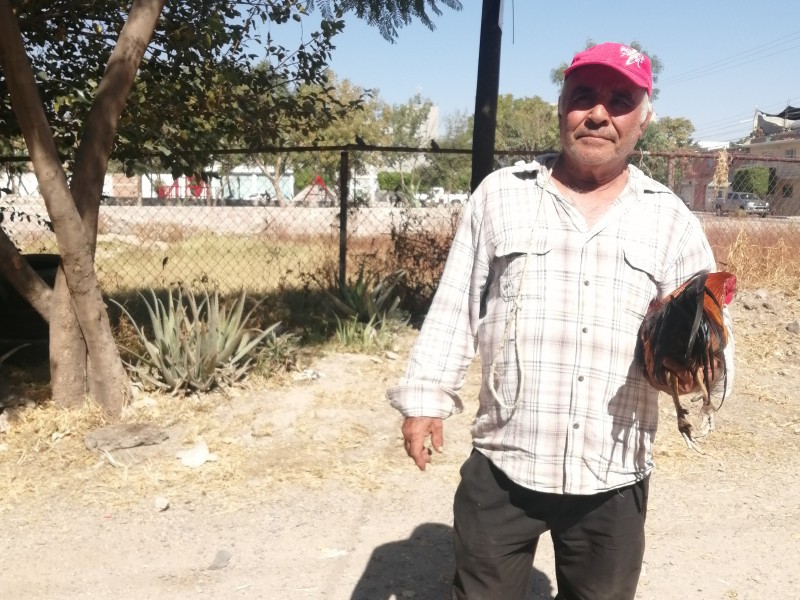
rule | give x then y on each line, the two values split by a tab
551	271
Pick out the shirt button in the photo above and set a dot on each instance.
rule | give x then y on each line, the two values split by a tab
580	377
576	425
585	282
585	330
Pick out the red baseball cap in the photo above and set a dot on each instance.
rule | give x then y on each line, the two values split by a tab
630	62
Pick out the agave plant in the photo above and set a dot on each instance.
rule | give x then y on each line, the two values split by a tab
5	356
369	299
195	345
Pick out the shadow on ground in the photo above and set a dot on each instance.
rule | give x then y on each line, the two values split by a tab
421	567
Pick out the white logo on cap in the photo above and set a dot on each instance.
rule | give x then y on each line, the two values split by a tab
634	56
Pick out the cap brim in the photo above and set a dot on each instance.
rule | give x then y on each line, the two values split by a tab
625	72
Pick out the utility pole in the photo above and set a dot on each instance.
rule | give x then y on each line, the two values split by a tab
488	87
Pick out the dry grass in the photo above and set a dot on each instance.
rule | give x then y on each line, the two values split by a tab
341	431
761	253
44	458
46	441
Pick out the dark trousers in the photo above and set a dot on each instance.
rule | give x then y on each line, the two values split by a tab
598	539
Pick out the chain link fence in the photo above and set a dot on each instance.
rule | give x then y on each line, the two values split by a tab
309	217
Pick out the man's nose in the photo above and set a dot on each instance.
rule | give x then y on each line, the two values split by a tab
598	113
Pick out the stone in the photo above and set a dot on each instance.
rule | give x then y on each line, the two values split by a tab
125	435
793	327
196	456
221	560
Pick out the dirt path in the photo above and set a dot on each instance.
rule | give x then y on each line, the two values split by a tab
311	495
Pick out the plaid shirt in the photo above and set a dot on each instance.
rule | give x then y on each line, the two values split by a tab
553	307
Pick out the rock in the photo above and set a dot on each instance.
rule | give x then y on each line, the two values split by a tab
8	417
196	456
761	294
5	425
391	355
126	435
793	327
144	402
221	560
261	427
307	375
748	305
161	503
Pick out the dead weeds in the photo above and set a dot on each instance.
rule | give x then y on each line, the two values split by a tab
272	433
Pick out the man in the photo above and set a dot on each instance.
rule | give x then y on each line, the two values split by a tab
550	273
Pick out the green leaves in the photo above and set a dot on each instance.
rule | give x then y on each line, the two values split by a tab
195	345
370	299
197	77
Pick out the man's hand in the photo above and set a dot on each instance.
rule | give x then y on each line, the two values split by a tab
415	431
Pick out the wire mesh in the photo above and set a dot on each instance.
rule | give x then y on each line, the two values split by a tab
265	221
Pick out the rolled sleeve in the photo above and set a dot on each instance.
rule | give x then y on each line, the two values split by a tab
422	399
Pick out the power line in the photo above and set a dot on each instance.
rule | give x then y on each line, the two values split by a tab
738	59
734	125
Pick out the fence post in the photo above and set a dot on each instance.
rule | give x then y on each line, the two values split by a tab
344	180
485	125
671	173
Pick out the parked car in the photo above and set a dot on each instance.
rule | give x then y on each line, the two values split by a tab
745	201
258	199
440	196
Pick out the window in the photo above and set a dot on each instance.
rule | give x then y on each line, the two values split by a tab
788	190
790	153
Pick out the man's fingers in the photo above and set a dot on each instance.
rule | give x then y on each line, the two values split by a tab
422	458
437	435
415	431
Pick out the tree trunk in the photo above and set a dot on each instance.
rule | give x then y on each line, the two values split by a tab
68	366
78	307
23	278
275	176
68	352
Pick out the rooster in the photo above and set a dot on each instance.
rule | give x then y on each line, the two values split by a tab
685	334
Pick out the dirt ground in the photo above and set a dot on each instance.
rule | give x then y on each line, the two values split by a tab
311	495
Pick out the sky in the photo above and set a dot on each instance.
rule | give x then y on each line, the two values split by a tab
722	59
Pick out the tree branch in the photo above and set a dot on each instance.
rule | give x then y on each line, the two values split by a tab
23	278
91	160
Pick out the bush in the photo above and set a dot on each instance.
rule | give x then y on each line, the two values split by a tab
369	299
195	346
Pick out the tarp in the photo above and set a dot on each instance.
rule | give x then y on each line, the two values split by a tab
790	112
770	124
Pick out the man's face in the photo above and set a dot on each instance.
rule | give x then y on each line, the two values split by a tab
601	116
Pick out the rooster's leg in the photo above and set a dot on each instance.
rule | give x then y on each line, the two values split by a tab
707	411
683	423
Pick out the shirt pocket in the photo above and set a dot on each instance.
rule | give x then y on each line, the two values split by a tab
640	276
516	259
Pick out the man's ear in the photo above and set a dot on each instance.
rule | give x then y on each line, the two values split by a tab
644	123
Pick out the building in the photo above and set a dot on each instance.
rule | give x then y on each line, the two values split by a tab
775	141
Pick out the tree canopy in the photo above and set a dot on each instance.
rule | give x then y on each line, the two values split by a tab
390	15
87	81
208	70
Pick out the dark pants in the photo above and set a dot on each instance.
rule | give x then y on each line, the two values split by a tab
598	539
